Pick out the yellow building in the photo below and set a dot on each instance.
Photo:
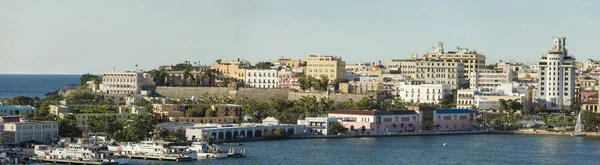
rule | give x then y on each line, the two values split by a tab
527	76
472	59
233	69
289	62
330	66
228	110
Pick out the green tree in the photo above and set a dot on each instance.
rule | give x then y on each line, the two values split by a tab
336	83
280	133
88	77
196	112
591	120
158	77
139	127
263	65
211	113
367	103
179	134
20	100
337	128
67	127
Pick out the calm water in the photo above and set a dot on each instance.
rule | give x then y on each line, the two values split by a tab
462	149
33	85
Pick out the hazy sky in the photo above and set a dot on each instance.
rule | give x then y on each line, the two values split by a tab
80	36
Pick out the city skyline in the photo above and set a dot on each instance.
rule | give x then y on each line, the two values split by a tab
74	37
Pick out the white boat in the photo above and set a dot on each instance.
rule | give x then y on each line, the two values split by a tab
578	129
205	151
154	148
92	153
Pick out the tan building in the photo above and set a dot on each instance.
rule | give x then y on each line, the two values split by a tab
174	110
221	120
289	62
228	110
471	59
356	87
233	69
331	66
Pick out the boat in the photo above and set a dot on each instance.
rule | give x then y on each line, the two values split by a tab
578	130
236	154
206	151
233	144
77	153
154	148
14	156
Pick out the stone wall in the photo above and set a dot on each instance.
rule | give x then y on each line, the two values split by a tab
258	94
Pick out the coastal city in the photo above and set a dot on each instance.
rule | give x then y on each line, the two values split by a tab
267	82
188	111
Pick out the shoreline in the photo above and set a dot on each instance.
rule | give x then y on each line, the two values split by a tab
449	133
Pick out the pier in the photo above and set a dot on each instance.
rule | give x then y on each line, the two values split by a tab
64	161
161	158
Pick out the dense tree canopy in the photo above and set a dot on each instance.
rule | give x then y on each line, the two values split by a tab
89	77
67	127
263	65
20	100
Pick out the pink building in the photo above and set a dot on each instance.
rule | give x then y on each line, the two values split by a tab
452	119
377	121
586	95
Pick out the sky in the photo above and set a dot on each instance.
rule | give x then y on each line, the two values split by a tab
74	36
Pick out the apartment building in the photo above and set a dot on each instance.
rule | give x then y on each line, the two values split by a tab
557	77
125	82
232	69
27	130
471	59
486	79
332	67
422	93
441	72
261	78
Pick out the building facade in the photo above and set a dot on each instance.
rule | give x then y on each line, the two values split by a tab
377	121
486	79
318	125
440	72
332	67
125	82
40	131
359	87
453	119
257	78
471	59
232	69
557	77
423	93
14	110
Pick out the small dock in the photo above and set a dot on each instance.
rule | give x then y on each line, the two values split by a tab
65	161
161	158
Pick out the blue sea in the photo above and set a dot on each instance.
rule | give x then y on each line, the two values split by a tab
33	85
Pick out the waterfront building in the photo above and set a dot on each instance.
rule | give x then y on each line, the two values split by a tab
485	79
27	130
557	77
238	131
172	126
15	110
259	78
232	69
332	67
377	121
125	82
441	72
422	93
471	59
317	125
219	119
452	119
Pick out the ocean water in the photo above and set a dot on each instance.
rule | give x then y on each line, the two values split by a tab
427	150
33	85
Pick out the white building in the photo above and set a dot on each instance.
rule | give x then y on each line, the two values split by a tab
40	131
405	67
557	77
258	78
423	93
488	79
317	125
125	82
441	72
